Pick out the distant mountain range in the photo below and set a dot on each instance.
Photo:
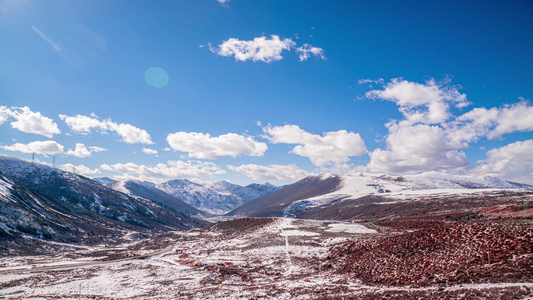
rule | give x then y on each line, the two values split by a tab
193	198
215	198
148	190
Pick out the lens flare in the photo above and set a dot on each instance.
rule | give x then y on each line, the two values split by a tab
156	77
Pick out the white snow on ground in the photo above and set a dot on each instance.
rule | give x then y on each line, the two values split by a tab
481	286
349	228
298	233
404	188
270	262
4	188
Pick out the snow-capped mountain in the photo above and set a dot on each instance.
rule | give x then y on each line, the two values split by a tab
104	180
79	203
148	190
215	198
322	190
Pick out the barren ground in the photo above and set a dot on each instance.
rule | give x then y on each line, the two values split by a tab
269	258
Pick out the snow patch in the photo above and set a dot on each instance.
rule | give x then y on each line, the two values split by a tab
349	228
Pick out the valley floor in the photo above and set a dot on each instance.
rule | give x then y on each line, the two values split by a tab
251	258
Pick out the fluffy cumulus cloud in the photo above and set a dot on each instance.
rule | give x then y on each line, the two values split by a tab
82	151
491	123
264	49
332	148
149	151
271	172
430	137
223	2
80	169
85	124
417	148
204	146
29	121
170	170
37	147
421	103
512	162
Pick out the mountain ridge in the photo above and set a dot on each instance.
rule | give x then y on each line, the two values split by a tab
326	189
215	198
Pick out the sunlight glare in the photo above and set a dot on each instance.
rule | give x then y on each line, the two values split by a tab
156	77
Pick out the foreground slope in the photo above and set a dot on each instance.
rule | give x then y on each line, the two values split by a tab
282	258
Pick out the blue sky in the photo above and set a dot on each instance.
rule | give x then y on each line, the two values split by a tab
254	91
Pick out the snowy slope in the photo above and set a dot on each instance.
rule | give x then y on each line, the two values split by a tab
298	197
362	184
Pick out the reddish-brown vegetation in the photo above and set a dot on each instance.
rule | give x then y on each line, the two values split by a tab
506	211
454	252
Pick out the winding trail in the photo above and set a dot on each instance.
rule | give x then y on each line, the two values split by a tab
279	223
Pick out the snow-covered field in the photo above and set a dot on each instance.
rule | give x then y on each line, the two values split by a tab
280	259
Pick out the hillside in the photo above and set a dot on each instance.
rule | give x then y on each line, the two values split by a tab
347	197
43	202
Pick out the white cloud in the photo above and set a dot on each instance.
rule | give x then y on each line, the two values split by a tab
427	139
223	2
417	148
29	121
83	124
421	103
202	145
260	48
129	133
97	149
334	147
413	144
149	151
264	49
365	81
4	114
80	169
37	147
271	172
492	123
170	170
82	151
306	51
512	162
